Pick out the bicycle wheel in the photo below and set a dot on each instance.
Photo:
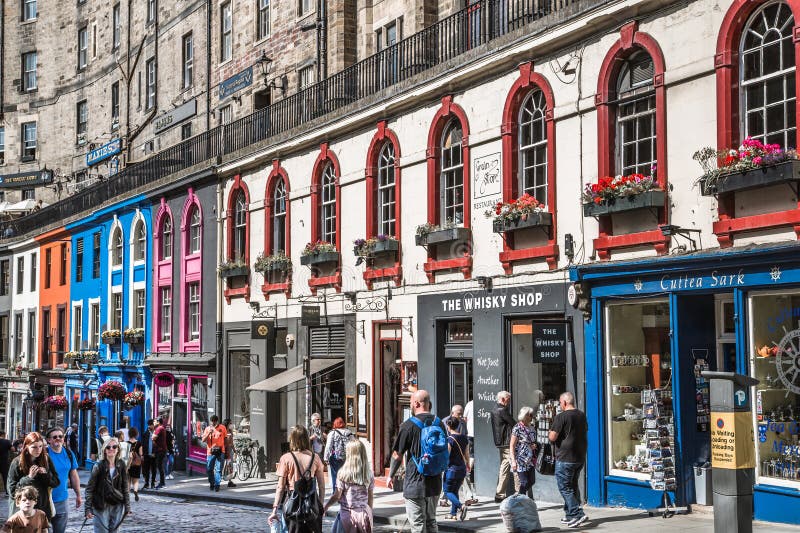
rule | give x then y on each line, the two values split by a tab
245	464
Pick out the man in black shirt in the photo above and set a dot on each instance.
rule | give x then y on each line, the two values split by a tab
5	448
420	492
502	424
568	433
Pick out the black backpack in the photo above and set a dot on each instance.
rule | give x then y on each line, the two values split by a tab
302	504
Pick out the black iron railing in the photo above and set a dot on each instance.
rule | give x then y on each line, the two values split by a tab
481	22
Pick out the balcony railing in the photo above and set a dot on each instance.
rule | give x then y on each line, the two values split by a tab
478	24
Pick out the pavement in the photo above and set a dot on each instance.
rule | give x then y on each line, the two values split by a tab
484	516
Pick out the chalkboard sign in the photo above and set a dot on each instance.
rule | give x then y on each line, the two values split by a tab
362	410
550	342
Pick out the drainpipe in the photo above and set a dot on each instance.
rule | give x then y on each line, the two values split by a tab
2	54
219	360
128	82
322	40
208	65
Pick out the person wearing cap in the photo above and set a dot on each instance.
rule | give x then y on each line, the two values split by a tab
66	467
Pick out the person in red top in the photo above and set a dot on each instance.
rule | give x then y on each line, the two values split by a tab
214	437
160	448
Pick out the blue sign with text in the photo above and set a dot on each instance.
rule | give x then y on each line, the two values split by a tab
235	83
109	149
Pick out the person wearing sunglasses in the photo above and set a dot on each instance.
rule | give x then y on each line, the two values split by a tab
66	467
107	496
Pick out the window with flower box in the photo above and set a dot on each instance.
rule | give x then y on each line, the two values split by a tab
325	215
237	268
276	238
278	218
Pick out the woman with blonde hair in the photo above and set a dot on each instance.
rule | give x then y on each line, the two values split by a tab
354	492
300	469
107	494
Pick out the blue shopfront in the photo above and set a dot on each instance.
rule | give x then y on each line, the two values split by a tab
652	326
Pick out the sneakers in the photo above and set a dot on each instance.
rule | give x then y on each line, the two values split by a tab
160	486
170	476
566	520
578	522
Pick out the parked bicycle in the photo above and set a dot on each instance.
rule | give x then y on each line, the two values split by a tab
245	464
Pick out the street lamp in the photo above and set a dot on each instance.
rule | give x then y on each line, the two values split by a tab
265	65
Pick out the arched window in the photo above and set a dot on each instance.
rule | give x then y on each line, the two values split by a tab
239	227
387	202
194	230
166	238
327	230
140	241
636	116
278	244
116	250
532	136
451	176
767	67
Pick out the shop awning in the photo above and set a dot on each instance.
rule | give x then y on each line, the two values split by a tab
293	374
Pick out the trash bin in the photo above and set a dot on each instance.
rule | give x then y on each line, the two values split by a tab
702	484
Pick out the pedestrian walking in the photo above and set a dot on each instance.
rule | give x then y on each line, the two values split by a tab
66	466
135	460
214	437
354	492
523	451
97	442
336	448
457	468
422	434
107	496
149	463
301	478
160	447
230	452
169	461
568	433
28	519
457	412
71	441
6	446
124	446
33	468
316	435
502	424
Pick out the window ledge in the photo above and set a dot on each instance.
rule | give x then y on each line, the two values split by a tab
334	281
726	228
548	252
604	245
464	264
394	273
285	287
238	293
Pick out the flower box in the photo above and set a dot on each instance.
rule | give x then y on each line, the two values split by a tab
786	172
443	236
234	272
276	266
318	258
389	246
134	339
532	220
647	199
111	340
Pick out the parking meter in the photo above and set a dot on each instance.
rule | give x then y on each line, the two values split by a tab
732	451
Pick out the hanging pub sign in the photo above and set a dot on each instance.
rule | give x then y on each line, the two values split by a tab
27	179
260	329
550	342
164	379
309	315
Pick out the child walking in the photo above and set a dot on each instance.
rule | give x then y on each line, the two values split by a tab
28	519
354	492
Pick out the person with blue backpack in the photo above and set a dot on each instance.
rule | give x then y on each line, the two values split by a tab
422	441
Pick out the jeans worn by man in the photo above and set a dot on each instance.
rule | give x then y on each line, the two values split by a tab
567	475
214	464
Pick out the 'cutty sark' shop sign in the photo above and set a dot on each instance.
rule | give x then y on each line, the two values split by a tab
27	179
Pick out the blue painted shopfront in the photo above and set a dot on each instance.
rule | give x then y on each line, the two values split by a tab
113	294
736	310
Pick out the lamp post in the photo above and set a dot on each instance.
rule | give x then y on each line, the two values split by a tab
265	66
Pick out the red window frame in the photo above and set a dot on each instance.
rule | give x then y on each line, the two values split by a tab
383	136
726	65
528	82
447	112
326	155
631	40
277	174
238	186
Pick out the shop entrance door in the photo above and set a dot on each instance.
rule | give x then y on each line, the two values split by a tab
389	410
460	376
180	429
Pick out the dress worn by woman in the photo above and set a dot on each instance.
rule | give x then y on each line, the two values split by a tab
43	482
107	496
525	455
355	515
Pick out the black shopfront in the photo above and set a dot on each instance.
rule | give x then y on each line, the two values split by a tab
475	344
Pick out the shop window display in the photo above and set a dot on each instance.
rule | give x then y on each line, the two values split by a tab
775	362
639	391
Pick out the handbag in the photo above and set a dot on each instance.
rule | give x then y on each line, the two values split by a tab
546	461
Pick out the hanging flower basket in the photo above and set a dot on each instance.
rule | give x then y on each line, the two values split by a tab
87	404
111	336
134	335
132	399
56	403
111	390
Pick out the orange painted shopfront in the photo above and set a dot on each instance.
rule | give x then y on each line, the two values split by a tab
54	279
